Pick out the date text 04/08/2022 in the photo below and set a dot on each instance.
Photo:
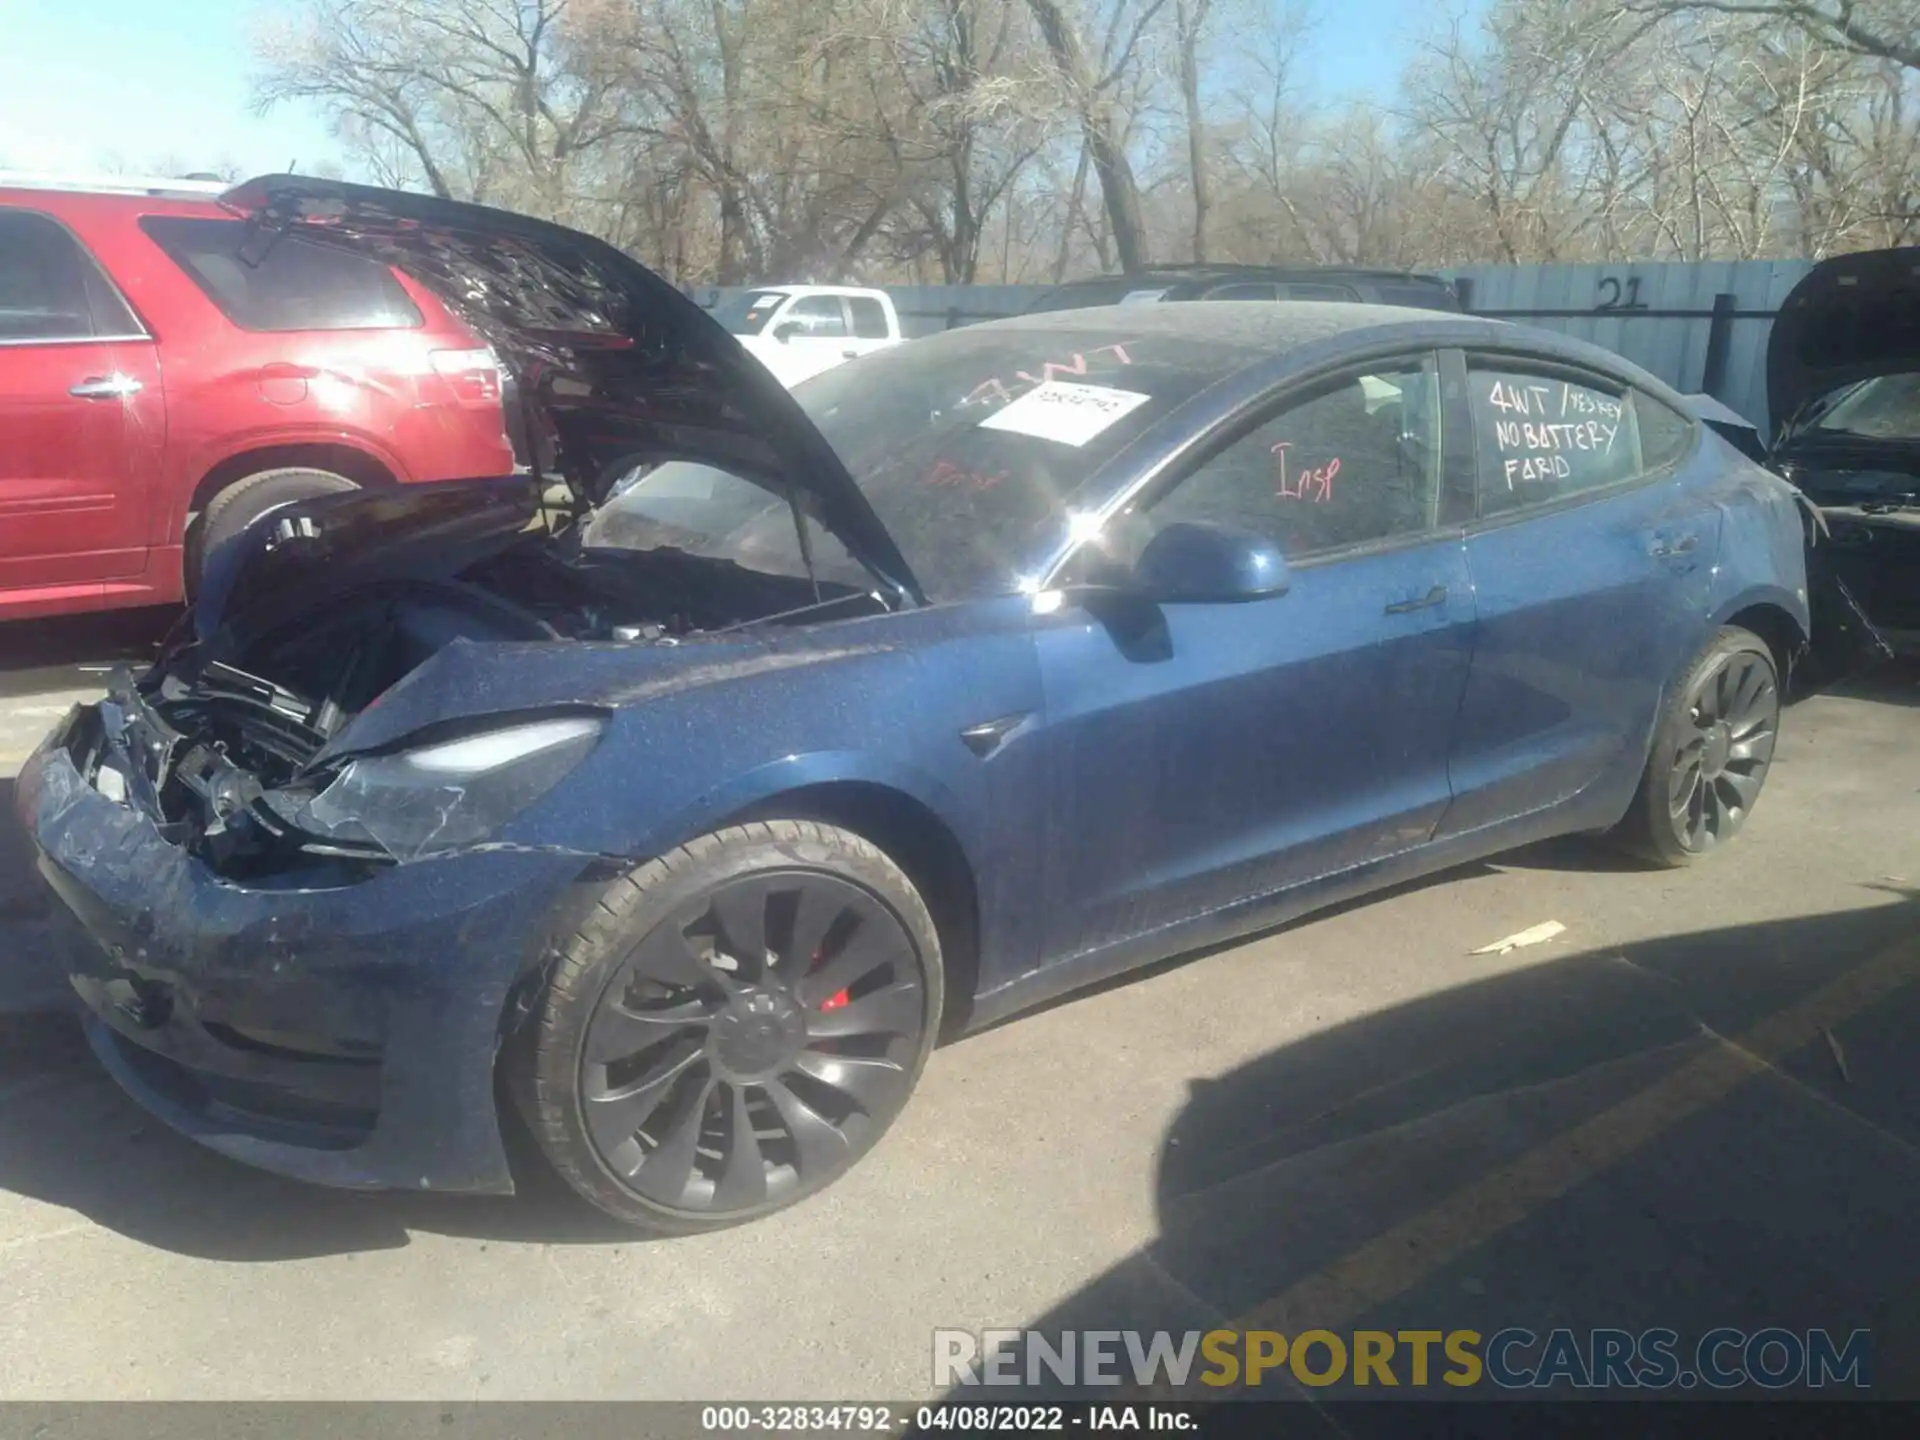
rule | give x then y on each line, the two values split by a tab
945	1418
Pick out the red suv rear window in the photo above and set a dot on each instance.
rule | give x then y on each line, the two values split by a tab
295	285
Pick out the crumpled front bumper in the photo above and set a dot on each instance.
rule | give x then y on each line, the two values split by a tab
342	1035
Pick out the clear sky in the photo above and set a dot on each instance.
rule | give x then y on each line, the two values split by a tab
86	84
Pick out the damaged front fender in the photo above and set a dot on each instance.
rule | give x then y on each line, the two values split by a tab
340	1034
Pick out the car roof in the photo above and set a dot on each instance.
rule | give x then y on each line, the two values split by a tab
1269	329
1262	326
818	290
146	186
1189	276
75	202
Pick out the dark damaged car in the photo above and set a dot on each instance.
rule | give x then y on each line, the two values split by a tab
687	811
1843	384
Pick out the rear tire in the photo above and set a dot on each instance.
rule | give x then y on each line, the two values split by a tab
245	501
732	1028
1710	754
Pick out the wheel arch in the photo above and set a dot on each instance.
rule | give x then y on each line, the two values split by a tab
357	464
1785	634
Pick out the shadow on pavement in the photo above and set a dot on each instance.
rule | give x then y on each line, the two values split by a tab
69	1137
1788	1200
66	641
1709	1129
21	896
1896	683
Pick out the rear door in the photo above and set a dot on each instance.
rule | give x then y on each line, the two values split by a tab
1592	560
82	417
867	316
1228	751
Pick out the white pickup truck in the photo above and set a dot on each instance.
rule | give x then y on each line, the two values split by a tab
797	331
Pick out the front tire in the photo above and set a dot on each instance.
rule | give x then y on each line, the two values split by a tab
733	1028
1710	755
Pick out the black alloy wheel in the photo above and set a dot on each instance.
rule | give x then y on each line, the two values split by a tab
1733	712
746	1042
1710	755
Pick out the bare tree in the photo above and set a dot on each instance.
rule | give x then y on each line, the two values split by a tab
485	99
1191	18
1090	92
1875	29
729	141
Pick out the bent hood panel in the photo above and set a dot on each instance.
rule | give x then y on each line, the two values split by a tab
1849	319
304	553
615	365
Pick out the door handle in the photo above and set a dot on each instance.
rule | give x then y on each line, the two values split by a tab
106	387
1663	549
1436	596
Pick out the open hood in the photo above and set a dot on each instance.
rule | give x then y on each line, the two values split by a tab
611	364
310	551
1849	319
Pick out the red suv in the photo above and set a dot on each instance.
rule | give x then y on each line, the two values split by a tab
167	374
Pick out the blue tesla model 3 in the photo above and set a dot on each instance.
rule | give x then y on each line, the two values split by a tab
686	785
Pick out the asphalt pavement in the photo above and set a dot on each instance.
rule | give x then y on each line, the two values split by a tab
1697	1106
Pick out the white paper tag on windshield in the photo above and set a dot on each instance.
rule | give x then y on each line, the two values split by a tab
1060	410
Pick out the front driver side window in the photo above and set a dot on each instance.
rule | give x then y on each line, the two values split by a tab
1351	463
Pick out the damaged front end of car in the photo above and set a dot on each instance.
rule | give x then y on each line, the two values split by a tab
1843	385
225	768
242	742
303	847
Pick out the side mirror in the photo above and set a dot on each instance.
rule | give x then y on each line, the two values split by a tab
787	329
1200	563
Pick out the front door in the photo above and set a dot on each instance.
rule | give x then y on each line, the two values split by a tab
81	414
822	340
1207	754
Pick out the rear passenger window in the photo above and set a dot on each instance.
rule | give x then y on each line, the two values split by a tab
294	285
869	317
1319	292
1544	435
1426	297
50	289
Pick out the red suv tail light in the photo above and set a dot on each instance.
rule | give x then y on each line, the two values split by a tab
473	375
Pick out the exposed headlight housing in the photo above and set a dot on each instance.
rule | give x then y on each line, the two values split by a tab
443	795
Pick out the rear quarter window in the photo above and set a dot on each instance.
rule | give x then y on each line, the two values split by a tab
294	285
1665	435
